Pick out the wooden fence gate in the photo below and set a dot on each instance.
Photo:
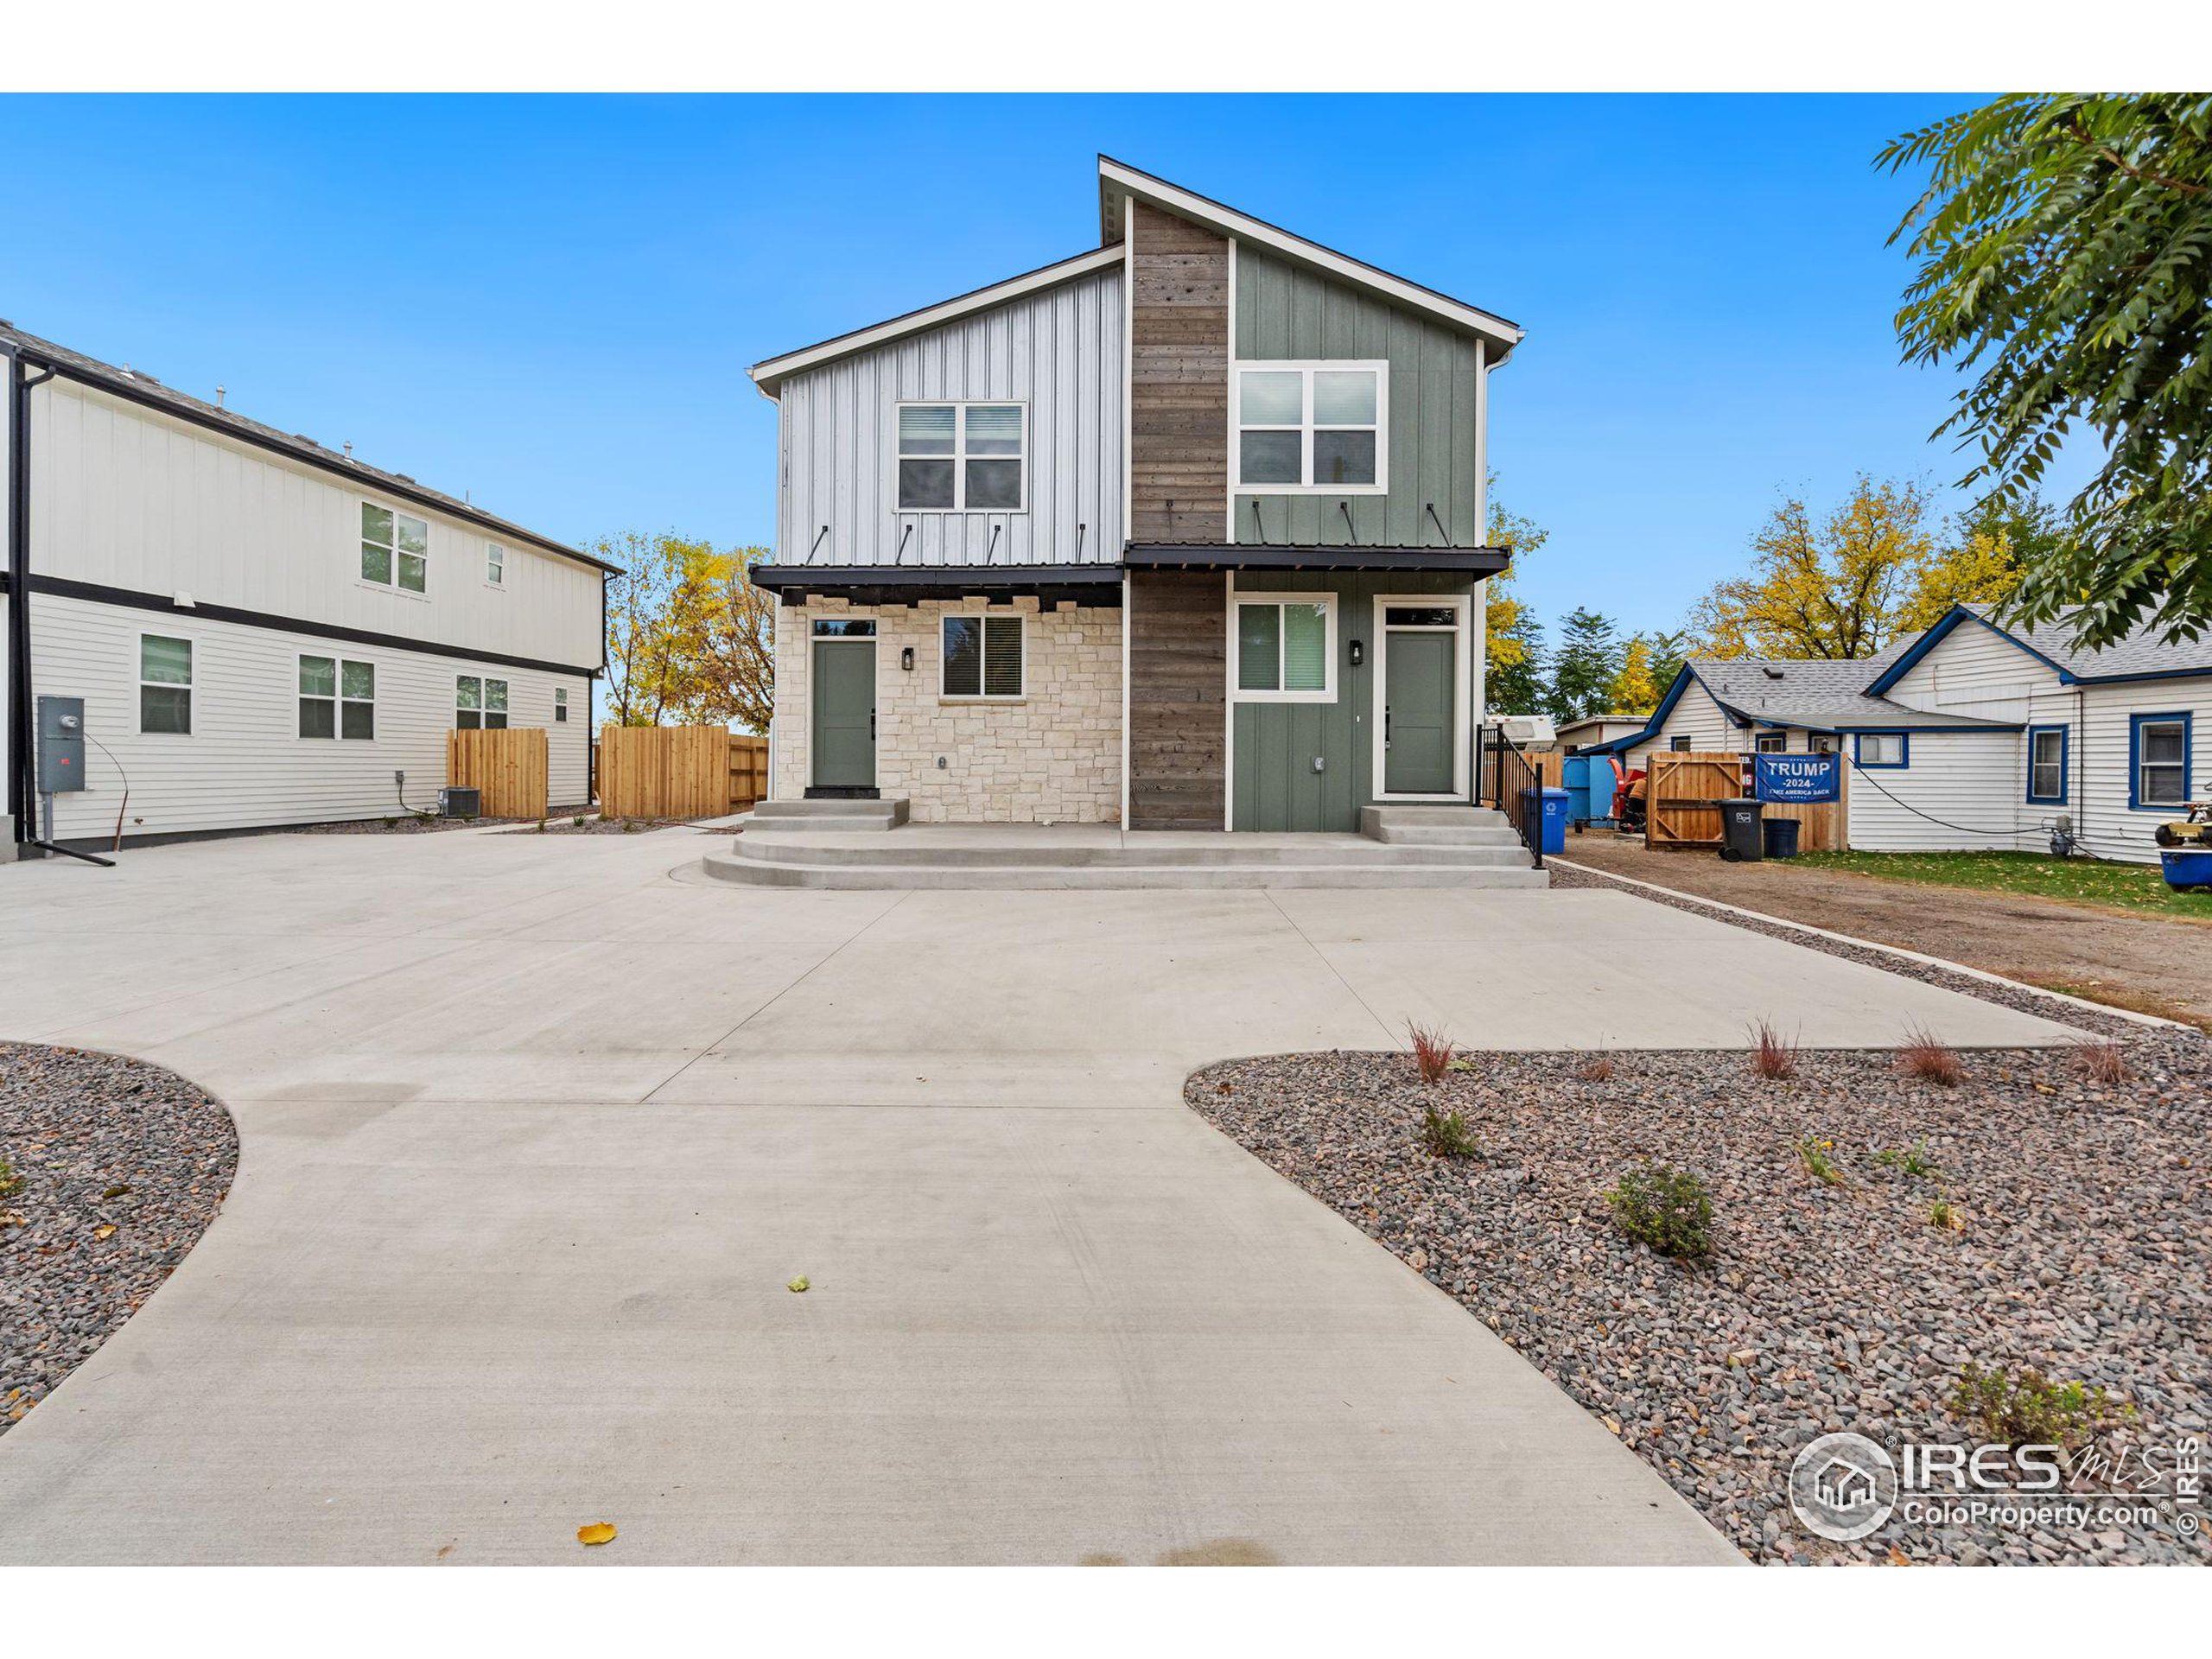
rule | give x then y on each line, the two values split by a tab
679	772
1682	787
506	767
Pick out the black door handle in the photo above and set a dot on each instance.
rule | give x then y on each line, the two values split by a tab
1385	725
870	725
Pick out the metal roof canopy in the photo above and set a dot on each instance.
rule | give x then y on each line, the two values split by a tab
1243	555
893	584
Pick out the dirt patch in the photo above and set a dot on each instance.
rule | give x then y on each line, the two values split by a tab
2148	965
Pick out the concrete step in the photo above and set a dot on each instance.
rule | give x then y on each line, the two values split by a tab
839	815
1221	852
760	872
1437	826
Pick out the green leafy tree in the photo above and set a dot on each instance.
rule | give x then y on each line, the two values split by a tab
2065	242
1584	667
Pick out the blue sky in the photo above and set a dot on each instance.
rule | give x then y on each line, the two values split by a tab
552	303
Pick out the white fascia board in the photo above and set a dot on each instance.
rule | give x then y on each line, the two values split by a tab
770	373
1495	330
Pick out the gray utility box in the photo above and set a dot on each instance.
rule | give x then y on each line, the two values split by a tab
61	744
457	803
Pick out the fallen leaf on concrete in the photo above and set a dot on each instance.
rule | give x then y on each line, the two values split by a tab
599	1532
116	1191
797	1284
105	1229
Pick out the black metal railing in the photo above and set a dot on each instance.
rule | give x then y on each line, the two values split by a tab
1521	796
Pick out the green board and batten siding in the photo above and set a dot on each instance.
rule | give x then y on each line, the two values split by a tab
1276	787
1285	311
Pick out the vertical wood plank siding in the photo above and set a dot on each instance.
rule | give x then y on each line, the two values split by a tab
1287	311
1178	666
1057	350
1178	379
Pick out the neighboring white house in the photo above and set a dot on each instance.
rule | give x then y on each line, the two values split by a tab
263	630
1593	729
1970	735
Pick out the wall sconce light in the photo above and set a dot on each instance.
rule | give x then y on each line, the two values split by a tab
1358	653
907	658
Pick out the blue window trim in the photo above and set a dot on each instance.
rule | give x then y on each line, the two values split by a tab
2135	725
1904	752
2065	751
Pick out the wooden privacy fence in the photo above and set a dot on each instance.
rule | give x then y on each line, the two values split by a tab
1548	764
1682	788
506	767
679	772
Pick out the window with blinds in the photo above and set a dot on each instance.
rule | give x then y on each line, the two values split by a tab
983	657
1286	649
962	457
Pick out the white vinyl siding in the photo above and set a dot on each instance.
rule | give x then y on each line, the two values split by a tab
338	699
243	766
1058	352
126	496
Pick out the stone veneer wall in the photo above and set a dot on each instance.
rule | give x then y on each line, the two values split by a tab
1054	755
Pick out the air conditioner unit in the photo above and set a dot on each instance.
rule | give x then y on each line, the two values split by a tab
454	803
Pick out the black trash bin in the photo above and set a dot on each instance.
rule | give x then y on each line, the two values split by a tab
1781	836
1739	829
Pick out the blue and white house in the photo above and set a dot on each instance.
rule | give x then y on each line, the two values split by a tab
1970	735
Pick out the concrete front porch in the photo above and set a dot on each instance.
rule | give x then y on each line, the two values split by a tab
869	845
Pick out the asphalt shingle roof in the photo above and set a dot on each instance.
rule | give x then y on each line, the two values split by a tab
2140	652
1817	693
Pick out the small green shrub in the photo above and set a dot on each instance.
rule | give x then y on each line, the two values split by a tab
1819	1165
1446	1134
10	1183
1665	1208
2030	1409
1945	1214
576	822
1912	1159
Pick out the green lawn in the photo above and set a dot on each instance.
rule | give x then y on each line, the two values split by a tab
2078	880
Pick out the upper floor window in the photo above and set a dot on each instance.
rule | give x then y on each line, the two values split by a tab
164	684
1315	428
394	549
480	705
962	457
560	703
337	699
495	563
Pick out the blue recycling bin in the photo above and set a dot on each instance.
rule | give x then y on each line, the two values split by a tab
2187	869
1548	807
1589	780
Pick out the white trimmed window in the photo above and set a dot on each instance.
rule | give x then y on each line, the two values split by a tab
164	684
337	699
1312	429
1286	647
1820	743
495	563
394	549
964	457
480	705
983	657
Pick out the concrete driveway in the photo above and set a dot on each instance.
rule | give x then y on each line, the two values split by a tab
535	1131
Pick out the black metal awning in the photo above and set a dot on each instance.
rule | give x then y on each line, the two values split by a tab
1247	555
904	584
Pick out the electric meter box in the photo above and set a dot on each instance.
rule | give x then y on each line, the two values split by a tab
61	744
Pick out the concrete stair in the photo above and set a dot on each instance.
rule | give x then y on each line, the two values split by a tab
811	816
1438	826
826	854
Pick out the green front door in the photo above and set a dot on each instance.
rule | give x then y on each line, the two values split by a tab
1419	731
844	713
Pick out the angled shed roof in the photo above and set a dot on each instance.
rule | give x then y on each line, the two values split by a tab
1117	182
135	385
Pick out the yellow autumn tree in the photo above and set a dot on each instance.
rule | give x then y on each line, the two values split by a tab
690	639
1833	588
1513	675
1632	691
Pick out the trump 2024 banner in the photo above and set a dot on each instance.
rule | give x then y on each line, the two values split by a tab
1797	779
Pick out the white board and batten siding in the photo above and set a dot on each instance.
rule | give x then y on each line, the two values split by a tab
128	499
1058	350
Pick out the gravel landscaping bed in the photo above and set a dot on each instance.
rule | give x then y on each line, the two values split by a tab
122	1165
566	824
2083	1252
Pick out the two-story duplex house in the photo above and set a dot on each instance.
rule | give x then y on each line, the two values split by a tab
264	631
1184	532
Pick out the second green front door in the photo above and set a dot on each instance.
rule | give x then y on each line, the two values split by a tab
1418	725
844	713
